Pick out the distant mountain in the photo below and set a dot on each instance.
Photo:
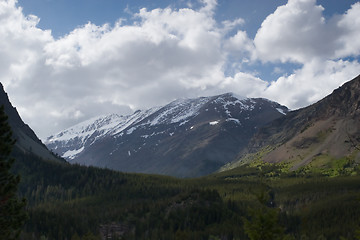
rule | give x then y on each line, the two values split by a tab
317	135
26	140
185	138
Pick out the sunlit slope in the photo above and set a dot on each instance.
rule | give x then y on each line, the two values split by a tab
322	135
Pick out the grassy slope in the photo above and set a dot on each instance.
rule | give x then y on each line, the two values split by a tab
323	146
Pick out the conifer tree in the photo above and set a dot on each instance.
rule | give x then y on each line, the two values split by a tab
12	213
263	224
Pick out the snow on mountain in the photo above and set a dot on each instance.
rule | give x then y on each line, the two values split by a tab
179	110
203	132
213	122
85	133
281	111
102	124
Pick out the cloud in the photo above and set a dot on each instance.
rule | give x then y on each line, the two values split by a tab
312	82
20	43
230	25
295	32
240	44
209	6
167	54
349	23
244	84
298	32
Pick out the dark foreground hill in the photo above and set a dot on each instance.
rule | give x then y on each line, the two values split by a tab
26	140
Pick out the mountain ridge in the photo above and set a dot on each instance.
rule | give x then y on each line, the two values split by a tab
179	133
26	140
317	135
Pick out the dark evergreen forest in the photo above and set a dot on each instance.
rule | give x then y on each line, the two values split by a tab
251	202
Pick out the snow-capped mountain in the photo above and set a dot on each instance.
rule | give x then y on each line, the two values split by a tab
72	141
187	137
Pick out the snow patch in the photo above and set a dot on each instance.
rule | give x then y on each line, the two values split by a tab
230	99
131	130
179	111
184	122
234	120
72	153
213	123
281	111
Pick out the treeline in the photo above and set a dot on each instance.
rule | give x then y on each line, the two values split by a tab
75	202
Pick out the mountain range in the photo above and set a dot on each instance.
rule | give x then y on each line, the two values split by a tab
68	201
195	137
185	138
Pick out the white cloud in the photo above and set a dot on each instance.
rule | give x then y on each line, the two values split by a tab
20	43
167	54
230	25
240	44
209	6
295	32
298	32
349	23
244	84
311	83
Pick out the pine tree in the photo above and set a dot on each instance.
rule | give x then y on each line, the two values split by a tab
263	224
12	213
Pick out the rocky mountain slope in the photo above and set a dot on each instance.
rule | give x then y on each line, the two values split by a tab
186	138
26	140
315	136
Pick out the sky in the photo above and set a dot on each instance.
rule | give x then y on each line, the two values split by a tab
63	62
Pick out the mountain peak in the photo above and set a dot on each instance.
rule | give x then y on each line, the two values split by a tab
185	138
234	95
344	100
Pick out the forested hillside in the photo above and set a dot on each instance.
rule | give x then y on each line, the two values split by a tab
75	202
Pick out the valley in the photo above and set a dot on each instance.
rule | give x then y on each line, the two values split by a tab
78	202
179	120
296	177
